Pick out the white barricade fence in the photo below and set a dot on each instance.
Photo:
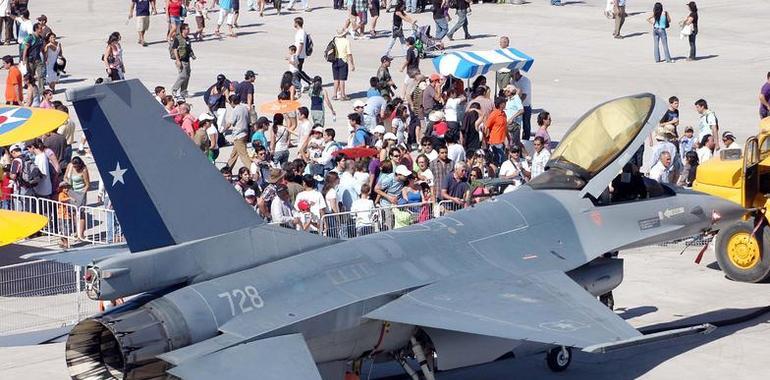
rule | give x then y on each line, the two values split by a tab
100	225
350	224
445	207
95	225
41	294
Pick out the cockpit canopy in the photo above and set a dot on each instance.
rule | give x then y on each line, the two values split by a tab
597	146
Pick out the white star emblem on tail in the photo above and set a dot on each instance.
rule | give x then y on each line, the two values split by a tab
117	174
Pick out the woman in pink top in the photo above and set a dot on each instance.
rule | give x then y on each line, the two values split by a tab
544	121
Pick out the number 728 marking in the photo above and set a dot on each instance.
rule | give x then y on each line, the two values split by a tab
246	299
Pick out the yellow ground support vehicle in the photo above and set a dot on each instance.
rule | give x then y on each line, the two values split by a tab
743	249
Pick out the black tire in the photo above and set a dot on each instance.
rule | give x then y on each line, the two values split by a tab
557	359
752	271
608	300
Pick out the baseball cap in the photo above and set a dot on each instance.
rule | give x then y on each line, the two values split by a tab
249	193
435	77
15	147
318	129
358	103
688	129
389	136
42	18
249	74
402	170
385	58
728	135
303	205
205	116
510	88
379	129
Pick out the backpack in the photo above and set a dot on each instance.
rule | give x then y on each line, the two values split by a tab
30	174
330	54
308	45
368	137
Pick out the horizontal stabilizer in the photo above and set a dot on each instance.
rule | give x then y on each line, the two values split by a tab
80	256
277	358
546	307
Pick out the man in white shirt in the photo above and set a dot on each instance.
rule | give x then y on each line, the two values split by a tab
280	208
304	126
525	93
706	150
708	123
313	197
456	152
514	110
427	149
349	188
663	170
44	188
515	168
330	146
300	41
540	158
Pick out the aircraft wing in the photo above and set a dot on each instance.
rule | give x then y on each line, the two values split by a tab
276	358
546	307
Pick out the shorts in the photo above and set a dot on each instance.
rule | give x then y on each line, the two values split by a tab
176	20
374	8
225	14
142	23
340	69
201	21
362	18
236	5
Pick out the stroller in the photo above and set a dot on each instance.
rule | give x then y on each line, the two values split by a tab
425	45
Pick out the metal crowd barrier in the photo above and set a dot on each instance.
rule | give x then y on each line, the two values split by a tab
350	224
41	294
445	207
95	225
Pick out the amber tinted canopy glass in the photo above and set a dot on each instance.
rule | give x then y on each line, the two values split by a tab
604	132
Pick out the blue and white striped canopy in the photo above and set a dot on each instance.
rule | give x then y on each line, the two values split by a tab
468	64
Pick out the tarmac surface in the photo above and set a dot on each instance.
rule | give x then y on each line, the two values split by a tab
577	65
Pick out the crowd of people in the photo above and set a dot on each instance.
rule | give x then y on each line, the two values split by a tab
411	145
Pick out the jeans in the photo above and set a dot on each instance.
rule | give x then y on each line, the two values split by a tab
691	39
392	42
411	6
442	27
526	125
659	35
183	78
462	21
498	154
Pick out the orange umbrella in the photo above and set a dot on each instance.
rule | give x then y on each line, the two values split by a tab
279	106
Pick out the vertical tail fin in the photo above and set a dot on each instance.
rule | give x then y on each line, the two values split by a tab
163	189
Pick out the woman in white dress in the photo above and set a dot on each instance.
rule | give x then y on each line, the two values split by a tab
51	52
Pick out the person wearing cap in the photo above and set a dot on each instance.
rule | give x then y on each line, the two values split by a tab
728	138
390	183
378	132
515	168
514	111
275	177
245	90
280	208
399	16
664	137
182	49
384	81
341	64
206	136
17	164
313	145
686	142
250	196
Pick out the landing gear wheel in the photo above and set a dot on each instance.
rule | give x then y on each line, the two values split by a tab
559	358
608	300
741	256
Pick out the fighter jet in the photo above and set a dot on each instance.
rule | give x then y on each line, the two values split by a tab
219	293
